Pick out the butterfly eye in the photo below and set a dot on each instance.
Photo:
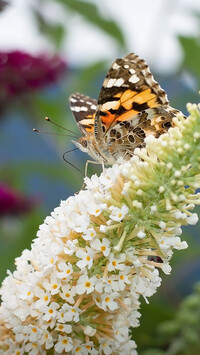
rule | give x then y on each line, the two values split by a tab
84	143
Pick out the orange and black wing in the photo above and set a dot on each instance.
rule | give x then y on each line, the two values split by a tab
128	89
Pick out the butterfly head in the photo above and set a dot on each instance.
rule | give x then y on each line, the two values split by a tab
84	144
87	145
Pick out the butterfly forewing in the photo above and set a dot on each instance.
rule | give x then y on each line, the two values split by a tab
128	88
84	109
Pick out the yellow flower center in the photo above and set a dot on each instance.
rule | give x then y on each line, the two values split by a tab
87	284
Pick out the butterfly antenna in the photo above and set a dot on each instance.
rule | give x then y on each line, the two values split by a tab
53	134
68	162
56	124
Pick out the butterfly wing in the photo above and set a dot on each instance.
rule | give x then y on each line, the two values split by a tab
84	109
130	107
128	89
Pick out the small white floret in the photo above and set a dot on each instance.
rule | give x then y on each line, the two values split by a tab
141	234
193	219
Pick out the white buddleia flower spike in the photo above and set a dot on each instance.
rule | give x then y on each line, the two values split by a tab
78	289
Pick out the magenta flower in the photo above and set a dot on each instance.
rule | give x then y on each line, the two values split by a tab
21	72
12	202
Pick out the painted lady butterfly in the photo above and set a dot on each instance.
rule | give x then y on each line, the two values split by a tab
130	107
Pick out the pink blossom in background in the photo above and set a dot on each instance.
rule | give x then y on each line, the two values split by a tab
13	202
22	72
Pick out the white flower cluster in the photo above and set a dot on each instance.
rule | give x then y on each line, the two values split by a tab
71	290
77	290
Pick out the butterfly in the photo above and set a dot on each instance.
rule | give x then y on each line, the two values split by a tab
131	106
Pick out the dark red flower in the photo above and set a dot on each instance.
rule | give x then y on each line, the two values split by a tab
21	72
12	202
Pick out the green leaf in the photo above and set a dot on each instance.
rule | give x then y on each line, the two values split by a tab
91	14
86	79
191	48
16	234
54	172
55	32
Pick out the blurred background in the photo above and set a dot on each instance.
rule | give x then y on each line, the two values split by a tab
52	48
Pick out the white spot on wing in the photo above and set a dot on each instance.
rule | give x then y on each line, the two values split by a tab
126	66
110	104
115	66
93	107
73	100
84	108
86	121
119	82
115	82
134	79
105	82
110	83
131	71
78	108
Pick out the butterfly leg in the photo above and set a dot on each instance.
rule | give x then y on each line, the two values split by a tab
86	168
93	162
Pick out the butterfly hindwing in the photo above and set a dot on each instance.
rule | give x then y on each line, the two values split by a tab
84	109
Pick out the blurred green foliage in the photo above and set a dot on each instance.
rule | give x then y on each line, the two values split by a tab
16	235
191	55
181	334
54	32
90	13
